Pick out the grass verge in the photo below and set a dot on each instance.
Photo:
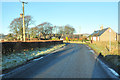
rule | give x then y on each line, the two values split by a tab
112	58
15	59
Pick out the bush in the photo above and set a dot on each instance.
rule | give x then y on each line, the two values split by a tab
35	37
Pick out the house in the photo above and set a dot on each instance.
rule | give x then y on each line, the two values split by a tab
3	37
105	34
119	37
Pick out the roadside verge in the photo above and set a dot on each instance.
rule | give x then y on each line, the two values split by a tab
111	72
37	56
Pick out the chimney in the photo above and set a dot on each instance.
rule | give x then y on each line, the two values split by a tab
101	28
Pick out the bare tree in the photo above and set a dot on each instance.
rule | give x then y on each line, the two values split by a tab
66	30
16	26
45	29
33	32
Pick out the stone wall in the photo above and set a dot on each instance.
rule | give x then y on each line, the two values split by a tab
8	47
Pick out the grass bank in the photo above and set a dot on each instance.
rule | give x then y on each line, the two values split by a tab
15	59
104	48
112	58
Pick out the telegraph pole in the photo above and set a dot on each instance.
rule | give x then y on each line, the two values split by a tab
23	22
110	40
79	31
23	19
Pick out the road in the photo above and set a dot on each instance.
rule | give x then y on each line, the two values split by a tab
75	61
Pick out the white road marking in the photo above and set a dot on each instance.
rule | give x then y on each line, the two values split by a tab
88	47
37	59
92	51
49	53
2	75
18	69
113	71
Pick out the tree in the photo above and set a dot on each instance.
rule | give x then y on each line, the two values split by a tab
33	32
66	30
10	35
45	29
69	29
61	30
16	26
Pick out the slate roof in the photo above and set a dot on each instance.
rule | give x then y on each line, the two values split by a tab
98	32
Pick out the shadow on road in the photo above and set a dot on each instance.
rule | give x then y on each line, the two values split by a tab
45	63
74	61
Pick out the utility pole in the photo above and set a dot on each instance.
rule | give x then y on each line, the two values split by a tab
110	40
23	22
56	31
79	31
23	19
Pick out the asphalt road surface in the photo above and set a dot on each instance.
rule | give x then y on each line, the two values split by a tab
74	61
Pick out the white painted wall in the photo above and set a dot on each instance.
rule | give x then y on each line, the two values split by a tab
98	39
94	38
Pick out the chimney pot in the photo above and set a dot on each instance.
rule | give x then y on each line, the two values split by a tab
101	28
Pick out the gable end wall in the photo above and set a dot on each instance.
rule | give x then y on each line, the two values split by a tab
106	35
